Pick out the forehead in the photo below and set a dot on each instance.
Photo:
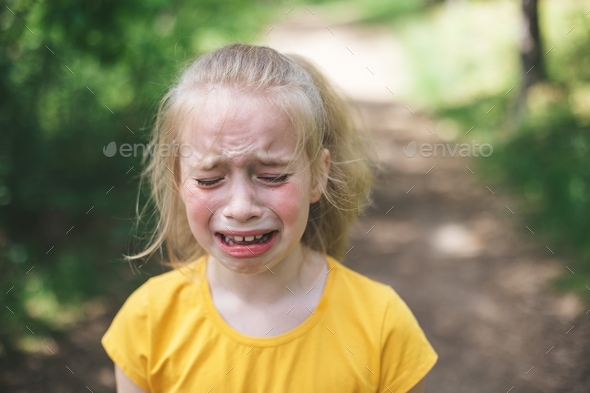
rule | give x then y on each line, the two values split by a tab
238	128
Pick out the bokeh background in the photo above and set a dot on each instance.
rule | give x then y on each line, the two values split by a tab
491	253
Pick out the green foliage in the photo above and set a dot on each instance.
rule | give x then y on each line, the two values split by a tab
457	54
548	162
548	159
375	11
545	163
74	77
484	114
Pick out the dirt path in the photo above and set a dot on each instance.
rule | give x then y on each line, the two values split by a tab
478	286
449	247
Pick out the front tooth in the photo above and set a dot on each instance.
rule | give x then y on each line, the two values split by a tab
249	238
238	238
258	236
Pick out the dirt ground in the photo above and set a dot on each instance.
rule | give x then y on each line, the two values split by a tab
477	281
478	284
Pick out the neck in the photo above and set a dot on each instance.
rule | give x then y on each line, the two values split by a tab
297	273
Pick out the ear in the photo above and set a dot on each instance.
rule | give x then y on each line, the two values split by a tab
316	191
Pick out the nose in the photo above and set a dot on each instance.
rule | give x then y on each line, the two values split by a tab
242	201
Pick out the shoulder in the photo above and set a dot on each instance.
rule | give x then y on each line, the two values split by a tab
177	279
160	293
405	353
372	305
161	302
356	284
377	303
133	338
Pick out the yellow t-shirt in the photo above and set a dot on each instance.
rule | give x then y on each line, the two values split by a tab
362	337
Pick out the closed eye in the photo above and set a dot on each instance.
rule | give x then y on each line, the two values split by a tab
207	183
277	179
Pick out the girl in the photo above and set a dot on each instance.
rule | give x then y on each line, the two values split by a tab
254	214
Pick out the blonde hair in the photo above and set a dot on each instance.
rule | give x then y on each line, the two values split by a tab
318	113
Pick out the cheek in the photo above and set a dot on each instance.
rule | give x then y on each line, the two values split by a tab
196	210
289	204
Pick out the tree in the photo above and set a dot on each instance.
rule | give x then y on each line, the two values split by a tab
531	54
75	76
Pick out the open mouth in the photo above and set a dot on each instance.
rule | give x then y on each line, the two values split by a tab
245	241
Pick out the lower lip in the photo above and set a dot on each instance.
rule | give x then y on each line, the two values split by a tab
247	251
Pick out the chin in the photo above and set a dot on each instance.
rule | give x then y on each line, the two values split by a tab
246	267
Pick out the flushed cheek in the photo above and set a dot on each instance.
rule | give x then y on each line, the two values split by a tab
198	213
288	204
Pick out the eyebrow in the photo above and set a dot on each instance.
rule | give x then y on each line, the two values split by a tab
214	162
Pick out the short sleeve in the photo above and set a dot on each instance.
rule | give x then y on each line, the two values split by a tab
127	340
406	354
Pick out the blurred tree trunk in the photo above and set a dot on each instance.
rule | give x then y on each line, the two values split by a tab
531	54
531	51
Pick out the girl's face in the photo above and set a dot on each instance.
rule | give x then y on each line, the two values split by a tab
239	209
